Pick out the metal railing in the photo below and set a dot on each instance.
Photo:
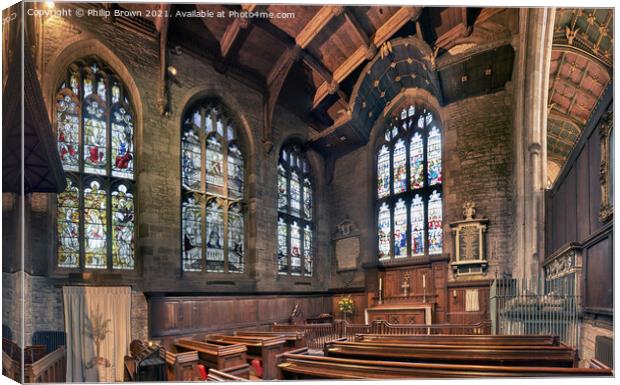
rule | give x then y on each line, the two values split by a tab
520	306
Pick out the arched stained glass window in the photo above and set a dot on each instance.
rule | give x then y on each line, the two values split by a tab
94	124
409	186
295	213
212	182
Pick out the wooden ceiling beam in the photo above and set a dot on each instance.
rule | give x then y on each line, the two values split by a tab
233	29
357	27
275	81
316	24
367	52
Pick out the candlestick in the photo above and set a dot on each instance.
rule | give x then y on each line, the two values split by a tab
424	280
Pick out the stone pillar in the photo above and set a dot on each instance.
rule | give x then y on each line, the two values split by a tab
531	79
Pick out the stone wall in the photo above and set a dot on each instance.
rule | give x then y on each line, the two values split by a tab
477	161
589	331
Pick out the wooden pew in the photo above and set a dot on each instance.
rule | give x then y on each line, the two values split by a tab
556	356
264	348
297	367
294	339
218	376
230	358
447	339
180	366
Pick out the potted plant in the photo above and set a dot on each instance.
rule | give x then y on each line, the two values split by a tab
346	306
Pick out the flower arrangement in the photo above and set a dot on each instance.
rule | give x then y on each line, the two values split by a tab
346	306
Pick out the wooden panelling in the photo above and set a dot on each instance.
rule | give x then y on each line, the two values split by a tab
599	275
179	316
457	313
573	206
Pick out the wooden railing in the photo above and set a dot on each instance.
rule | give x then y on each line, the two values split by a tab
318	334
50	368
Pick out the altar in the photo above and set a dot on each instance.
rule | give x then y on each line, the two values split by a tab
400	314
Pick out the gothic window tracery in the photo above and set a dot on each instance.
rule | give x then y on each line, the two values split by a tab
94	125
295	213
212	184
409	185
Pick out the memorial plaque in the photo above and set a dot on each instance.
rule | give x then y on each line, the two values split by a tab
347	253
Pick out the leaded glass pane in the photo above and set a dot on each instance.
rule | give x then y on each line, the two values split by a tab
191	160
95	137
400	167
192	233
235	239
384	231
434	157
295	249
400	229
417	226
383	172
215	237
68	224
282	247
308	254
95	232
235	171
435	243
416	160
68	130
282	190
215	163
122	142
122	228
295	195
307	199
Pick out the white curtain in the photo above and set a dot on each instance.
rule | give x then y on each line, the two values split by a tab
98	326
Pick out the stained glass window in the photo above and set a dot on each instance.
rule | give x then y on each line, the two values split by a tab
295	249
434	223
282	246
191	212
383	172
122	226
95	228
434	157
215	237
235	238
213	182
400	167
94	125
409	183
385	231
416	159
417	225
295	206
68	222
400	229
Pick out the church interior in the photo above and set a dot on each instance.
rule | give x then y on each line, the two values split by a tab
229	192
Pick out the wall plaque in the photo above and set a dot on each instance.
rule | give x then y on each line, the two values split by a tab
347	245
469	242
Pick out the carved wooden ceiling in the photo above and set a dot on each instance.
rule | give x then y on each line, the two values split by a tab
581	69
312	64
